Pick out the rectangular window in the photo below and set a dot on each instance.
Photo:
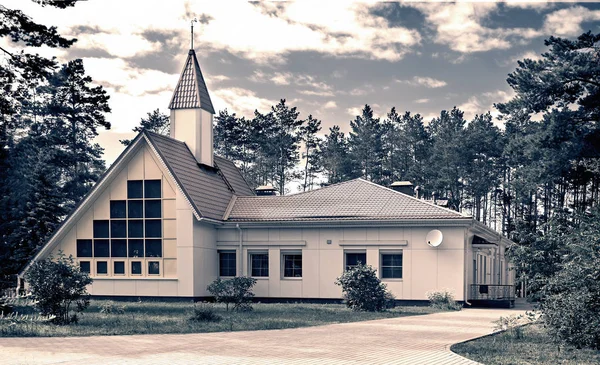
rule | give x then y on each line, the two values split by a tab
118	209
134	189
101	268
153	228
136	268
292	265
118	248
118	229
84	248
136	248
101	248
119	268
134	208
227	264
100	229
153	268
259	264
153	208
136	228
354	258
84	266
153	248
391	266
152	189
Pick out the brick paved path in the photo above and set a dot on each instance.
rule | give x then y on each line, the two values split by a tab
410	340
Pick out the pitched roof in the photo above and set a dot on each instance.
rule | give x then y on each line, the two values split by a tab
352	200
209	190
191	91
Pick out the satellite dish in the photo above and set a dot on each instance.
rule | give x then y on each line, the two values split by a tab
434	238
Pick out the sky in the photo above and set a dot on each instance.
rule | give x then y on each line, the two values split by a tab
328	59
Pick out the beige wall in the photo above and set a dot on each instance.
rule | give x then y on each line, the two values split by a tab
195	128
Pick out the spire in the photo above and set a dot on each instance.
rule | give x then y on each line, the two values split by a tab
191	91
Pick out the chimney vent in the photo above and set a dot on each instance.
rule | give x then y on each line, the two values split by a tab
405	187
266	190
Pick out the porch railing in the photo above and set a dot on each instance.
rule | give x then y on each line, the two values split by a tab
492	292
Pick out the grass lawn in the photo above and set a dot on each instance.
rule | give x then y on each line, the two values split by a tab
536	347
152	317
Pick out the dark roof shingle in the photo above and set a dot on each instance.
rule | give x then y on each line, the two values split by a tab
191	91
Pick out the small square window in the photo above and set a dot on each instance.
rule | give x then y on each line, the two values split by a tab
119	268
84	248
136	268
136	228
153	248
292	265
153	208
84	266
227	264
354	258
152	189
101	248
135	208
153	268
136	248
101	268
391	266
153	228
100	229
259	264
134	189
118	209
118	229
118	248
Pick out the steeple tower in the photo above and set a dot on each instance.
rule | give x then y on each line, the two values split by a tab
192	112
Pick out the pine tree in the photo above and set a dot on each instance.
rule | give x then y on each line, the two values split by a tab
365	145
308	134
334	156
156	122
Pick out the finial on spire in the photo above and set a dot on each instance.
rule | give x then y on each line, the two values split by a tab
192	35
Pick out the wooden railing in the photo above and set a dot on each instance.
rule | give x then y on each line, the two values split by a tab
492	292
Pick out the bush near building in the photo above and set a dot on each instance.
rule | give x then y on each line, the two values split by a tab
363	291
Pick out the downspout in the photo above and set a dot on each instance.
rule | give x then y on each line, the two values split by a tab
237	225
466	265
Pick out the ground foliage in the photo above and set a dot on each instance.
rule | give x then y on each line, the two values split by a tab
235	291
363	290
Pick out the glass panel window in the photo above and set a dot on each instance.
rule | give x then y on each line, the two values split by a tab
119	268
136	248
292	265
84	266
259	264
134	189
84	248
153	208
134	208
354	258
136	228
227	265
153	268
118	248
100	229
153	228
136	268
118	229
101	268
118	209
153	248
101	248
152	189
391	266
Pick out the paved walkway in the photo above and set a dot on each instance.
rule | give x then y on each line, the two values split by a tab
410	340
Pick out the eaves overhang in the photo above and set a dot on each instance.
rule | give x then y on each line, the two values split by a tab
423	222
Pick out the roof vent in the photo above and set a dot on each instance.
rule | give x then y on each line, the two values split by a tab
265	190
405	187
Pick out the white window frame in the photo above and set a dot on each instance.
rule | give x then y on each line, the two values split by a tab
219	252
346	252
250	263
283	255
392	252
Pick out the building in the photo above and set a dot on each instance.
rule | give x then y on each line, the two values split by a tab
169	217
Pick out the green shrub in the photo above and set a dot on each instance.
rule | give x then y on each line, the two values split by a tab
111	308
443	299
56	286
363	290
5	306
236	291
205	312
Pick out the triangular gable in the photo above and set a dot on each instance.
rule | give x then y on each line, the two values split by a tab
191	91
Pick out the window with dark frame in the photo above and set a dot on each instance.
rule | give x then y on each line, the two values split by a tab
153	248
391	266
153	268
354	258
292	265
101	229
136	268
119	268
84	248
84	266
118	209
101	248
227	263
135	189
118	248
136	248
259	264
135	209
101	268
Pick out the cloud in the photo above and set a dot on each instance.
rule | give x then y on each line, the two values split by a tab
354	111
316	92
330	105
241	101
512	61
567	22
483	103
310	84
428	82
421	101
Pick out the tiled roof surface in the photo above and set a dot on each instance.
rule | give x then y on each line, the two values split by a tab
191	91
351	200
233	176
